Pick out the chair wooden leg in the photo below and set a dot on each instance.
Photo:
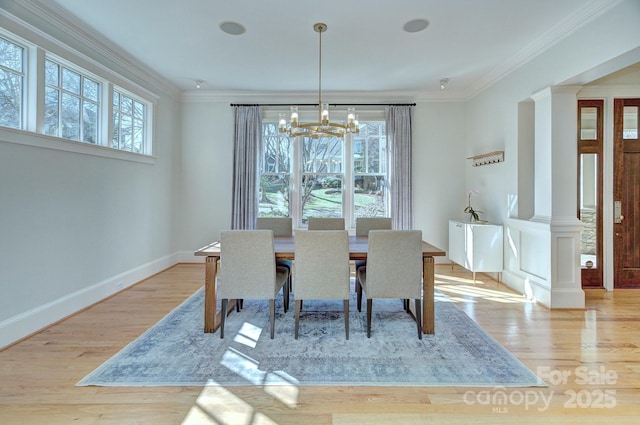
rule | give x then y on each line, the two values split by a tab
223	316
359	295
346	318
272	315
369	306
285	296
297	314
419	317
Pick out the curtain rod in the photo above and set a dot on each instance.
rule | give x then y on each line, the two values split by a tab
315	104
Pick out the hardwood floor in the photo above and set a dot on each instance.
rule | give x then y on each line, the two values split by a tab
591	358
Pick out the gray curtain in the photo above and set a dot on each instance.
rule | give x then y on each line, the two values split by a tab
398	121
247	154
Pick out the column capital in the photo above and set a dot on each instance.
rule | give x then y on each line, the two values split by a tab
550	90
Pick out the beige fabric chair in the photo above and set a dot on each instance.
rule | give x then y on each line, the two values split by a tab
322	270
364	224
249	271
393	270
326	223
281	226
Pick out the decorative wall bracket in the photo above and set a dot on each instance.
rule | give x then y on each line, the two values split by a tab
487	158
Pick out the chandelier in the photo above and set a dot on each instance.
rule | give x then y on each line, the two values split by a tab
323	127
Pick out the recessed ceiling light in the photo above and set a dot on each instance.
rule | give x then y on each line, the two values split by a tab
416	25
232	28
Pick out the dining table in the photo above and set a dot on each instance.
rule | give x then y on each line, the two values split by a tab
284	247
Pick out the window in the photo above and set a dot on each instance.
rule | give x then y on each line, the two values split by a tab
325	177
12	65
321	191
71	104
370	171
129	119
275	175
46	93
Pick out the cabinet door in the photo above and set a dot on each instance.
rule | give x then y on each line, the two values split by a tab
457	247
485	252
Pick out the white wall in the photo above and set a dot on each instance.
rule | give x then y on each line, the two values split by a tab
607	44
492	116
439	169
75	227
207	172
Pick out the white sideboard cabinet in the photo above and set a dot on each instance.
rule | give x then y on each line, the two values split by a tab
476	247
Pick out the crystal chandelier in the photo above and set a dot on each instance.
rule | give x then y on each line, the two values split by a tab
323	127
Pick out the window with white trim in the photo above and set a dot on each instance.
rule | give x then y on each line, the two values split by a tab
12	76
326	177
129	123
71	103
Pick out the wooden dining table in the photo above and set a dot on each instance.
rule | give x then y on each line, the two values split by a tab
284	247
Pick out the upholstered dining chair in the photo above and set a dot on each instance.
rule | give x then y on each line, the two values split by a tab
249	271
364	224
326	223
281	226
393	270
322	270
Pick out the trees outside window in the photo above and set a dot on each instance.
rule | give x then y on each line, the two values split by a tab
12	64
325	177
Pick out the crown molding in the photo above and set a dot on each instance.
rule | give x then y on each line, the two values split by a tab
200	96
571	24
49	12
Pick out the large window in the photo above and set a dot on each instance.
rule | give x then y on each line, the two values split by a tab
12	64
72	104
325	177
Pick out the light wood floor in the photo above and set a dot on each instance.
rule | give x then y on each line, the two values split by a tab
596	350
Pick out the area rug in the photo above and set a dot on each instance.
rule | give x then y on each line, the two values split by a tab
176	352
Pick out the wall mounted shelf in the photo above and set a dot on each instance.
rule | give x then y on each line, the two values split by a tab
487	158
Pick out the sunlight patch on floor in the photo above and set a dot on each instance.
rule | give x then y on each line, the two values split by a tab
464	290
248	335
219	406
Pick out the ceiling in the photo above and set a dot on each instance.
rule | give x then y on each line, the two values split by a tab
472	43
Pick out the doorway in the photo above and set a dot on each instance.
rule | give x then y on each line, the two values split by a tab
626	192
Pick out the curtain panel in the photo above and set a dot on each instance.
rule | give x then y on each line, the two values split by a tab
247	154
399	140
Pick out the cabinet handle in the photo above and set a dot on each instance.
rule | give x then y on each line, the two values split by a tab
458	225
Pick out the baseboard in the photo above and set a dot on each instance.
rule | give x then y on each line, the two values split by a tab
29	322
528	286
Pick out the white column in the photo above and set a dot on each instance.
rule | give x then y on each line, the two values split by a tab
556	191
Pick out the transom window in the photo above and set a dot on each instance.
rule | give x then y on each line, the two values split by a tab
72	104
325	177
46	93
12	65
129	121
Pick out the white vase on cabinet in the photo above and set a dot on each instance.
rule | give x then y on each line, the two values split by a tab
476	247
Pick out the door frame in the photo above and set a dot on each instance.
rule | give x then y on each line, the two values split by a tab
618	102
594	278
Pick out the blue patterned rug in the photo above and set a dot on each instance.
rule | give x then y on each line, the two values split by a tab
176	352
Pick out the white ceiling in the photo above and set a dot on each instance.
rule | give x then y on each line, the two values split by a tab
471	42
